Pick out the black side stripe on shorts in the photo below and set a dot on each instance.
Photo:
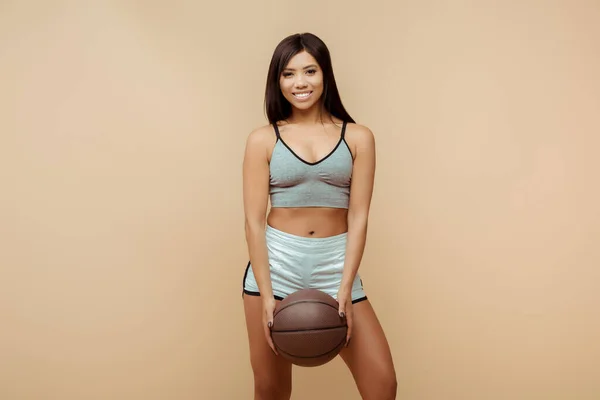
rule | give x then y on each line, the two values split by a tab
249	292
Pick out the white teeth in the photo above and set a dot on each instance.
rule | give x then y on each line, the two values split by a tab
302	95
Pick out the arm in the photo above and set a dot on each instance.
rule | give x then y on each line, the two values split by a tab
363	176
256	195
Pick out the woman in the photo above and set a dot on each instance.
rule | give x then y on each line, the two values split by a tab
317	167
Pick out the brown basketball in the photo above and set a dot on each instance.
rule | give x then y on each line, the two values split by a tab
307	329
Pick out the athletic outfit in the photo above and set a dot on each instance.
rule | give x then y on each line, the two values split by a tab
298	262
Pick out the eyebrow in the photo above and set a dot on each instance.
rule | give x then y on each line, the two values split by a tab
307	67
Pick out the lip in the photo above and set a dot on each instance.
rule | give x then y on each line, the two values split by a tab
310	92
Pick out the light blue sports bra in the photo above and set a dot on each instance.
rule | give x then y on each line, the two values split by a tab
295	182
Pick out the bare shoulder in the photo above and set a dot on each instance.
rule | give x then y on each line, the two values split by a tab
260	139
359	136
261	135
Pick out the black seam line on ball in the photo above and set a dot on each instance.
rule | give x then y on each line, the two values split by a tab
304	301
312	329
319	355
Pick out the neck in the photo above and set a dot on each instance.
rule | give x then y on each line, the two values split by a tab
311	116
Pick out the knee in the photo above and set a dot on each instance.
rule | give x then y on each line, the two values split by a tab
385	388
389	387
271	388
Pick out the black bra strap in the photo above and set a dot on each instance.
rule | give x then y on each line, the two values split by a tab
276	130
343	129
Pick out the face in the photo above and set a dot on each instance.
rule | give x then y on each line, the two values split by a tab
301	81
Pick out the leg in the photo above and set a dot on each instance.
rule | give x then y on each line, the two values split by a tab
368	356
272	374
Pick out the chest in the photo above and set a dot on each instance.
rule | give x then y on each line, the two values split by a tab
311	144
333	167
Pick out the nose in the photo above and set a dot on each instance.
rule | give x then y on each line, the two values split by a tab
300	82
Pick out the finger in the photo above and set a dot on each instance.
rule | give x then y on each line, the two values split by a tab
350	322
269	338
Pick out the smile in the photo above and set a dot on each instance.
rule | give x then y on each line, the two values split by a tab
303	95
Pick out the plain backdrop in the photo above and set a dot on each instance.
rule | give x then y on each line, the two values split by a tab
122	249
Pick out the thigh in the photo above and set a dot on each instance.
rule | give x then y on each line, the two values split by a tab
270	370
368	354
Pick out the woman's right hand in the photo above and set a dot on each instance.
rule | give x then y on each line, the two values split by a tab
268	310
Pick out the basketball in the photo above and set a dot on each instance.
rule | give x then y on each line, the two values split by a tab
307	329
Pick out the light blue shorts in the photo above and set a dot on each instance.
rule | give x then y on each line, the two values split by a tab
298	262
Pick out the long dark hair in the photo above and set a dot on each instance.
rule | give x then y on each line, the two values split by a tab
276	106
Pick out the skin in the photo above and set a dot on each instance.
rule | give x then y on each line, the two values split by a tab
312	136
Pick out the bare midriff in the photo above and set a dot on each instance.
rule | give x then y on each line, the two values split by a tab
315	222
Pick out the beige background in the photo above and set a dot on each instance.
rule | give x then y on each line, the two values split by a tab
122	251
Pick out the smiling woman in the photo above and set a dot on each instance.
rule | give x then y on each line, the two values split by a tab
307	83
317	167
301	69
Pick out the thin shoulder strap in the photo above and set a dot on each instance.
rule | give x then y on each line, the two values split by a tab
343	129
276	130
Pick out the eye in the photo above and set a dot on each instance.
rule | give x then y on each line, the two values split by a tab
287	74
312	71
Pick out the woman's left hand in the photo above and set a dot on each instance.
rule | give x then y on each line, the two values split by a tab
346	312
